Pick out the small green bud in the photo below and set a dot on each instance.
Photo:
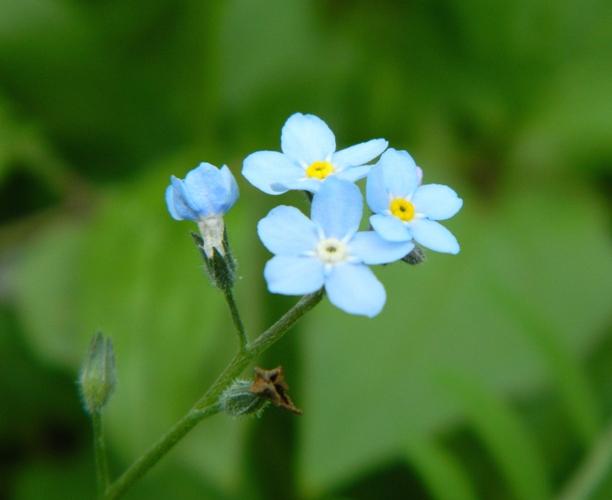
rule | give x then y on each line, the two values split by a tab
416	256
238	401
221	267
97	379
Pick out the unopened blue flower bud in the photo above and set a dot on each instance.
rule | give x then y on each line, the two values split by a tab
204	196
97	379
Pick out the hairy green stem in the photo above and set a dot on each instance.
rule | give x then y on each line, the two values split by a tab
207	405
595	469
259	345
276	331
149	459
100	452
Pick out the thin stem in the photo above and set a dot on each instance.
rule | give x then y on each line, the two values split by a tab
276	331
259	345
100	452
594	470
242	338
149	459
207	405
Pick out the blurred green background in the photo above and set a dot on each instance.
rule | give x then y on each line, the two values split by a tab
487	375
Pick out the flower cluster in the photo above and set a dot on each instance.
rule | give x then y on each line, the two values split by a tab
326	250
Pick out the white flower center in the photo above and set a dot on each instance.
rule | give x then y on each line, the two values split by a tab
331	251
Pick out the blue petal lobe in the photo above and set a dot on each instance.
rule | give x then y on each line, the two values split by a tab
399	172
354	289
306	139
436	201
376	191
270	171
390	228
206	188
359	154
170	203
370	248
287	231
337	207
231	188
293	275
432	235
184	207
353	174
305	184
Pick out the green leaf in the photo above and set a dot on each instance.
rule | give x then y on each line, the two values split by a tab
500	429
369	382
56	480
571	125
441	472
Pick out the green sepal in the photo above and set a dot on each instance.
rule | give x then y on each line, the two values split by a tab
98	379
238	402
220	268
416	255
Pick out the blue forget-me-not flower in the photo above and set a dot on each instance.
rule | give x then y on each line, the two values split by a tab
327	250
308	157
205	196
405	210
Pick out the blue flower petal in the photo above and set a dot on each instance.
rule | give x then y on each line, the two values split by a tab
399	172
206	188
432	235
287	231
305	184
294	275
353	174
170	203
306	139
376	191
184	207
390	228
370	248
231	188
337	207
270	171
354	289
359	154
436	201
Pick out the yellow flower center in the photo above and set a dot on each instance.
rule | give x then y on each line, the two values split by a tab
320	169
331	251
402	209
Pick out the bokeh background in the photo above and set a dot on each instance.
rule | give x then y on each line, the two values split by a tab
487	375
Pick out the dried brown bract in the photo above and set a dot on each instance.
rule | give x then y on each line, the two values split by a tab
271	384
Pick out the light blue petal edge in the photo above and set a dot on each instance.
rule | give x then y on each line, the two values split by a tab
293	275
355	289
433	235
436	201
287	231
270	171
370	248
359	154
390	228
337	207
